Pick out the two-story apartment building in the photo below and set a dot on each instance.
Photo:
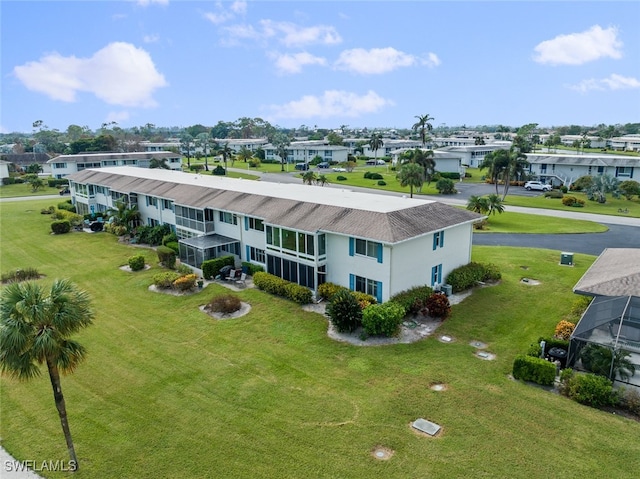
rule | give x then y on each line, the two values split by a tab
305	151
376	244
64	165
563	169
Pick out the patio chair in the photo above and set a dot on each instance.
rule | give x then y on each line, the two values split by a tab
232	275
243	280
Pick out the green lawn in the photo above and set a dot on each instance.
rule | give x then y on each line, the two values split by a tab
611	207
12	191
510	222
167	391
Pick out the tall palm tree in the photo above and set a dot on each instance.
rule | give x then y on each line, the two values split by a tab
125	215
35	328
411	175
478	204
204	140
227	153
423	127
376	142
245	154
186	144
425	159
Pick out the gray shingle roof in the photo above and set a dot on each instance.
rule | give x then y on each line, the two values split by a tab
92	157
616	272
388	219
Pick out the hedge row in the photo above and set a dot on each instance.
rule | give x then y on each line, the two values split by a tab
252	268
537	370
211	268
281	287
469	275
413	300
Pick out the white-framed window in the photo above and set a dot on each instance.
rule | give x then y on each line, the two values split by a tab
226	217
257	255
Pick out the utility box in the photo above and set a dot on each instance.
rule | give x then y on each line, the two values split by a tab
566	259
447	289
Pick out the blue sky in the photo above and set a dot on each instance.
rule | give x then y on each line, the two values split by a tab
329	63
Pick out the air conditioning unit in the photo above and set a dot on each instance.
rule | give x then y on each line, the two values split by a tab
566	259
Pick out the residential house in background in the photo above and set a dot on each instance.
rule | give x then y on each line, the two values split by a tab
21	161
64	165
309	235
563	169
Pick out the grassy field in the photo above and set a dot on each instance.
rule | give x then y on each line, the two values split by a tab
11	191
510	222
166	391
611	207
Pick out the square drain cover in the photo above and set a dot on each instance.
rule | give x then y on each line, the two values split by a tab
426	426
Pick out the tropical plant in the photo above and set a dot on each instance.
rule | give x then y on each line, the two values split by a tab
376	142
245	154
322	180
495	204
603	361
425	159
601	186
204	141
344	311
630	188
411	175
35	329
159	163
227	153
186	144
124	215
309	178
445	186
504	165
478	204
281	143
423	127
36	183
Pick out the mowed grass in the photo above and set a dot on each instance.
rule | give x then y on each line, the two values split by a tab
23	189
511	222
166	391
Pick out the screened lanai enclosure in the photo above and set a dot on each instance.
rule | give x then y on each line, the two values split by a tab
606	340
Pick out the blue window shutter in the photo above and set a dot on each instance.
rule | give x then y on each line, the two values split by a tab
352	246
439	274
441	239
379	254
352	282
248	251
246	223
435	241
379	291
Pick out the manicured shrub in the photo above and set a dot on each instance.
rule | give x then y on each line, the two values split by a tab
553	194
469	275
48	211
186	282
564	330
341	178
211	267
252	268
165	279
582	183
328	290
166	256
383	319
592	390
572	201
297	293
18	275
169	238
196	167
67	206
59	227
537	370
173	245
413	300
152	235
438	305
382	183
344	312
224	303
136	263
371	175
184	269
445	186
118	230
219	171
363	299
270	283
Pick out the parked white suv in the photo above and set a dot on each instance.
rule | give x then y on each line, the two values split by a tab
536	185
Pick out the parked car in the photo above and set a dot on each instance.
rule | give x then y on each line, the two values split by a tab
302	166
324	164
375	162
339	170
65	191
537	185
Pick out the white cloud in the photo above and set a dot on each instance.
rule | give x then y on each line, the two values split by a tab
374	61
146	3
119	74
224	14
333	103
286	33
431	60
117	116
293	63
151	38
613	82
579	48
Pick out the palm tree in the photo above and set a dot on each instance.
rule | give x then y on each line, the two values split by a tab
204	140
493	166
411	175
125	215
600	186
245	154
186	143
226	153
495	204
309	178
425	159
605	362
423	127
478	204
35	329
376	142
159	163
322	180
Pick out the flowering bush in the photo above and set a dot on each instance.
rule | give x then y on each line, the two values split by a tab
564	330
186	282
438	305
